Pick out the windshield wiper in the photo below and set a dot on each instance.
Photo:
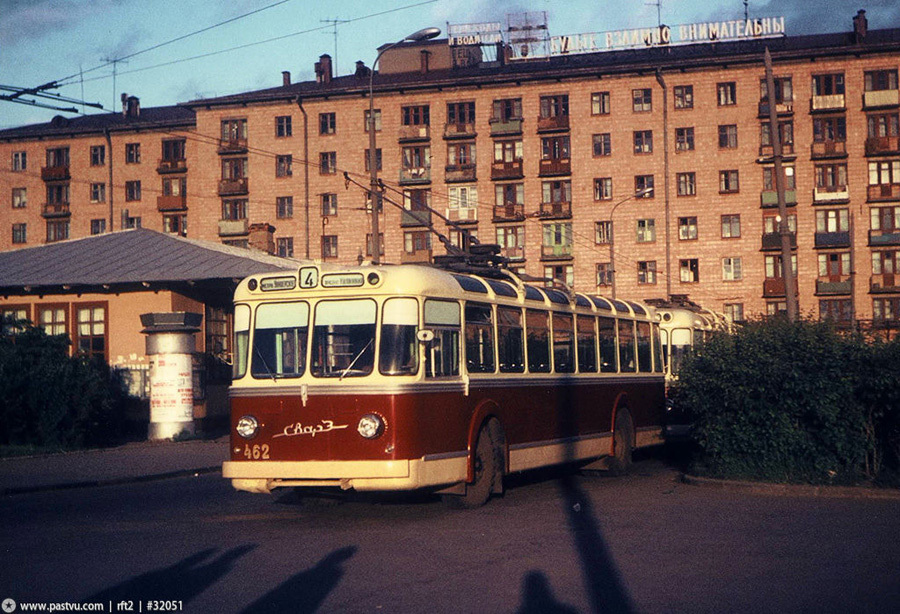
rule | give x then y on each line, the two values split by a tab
265	364
353	362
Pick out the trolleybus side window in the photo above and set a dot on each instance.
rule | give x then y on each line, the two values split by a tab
344	338
241	340
657	350
510	339
537	326
399	352
587	345
479	338
279	340
442	353
563	343
609	349
627	356
644	347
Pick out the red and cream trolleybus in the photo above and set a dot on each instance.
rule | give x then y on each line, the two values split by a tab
405	377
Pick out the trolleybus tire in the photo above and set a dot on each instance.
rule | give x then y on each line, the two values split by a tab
623	443
487	471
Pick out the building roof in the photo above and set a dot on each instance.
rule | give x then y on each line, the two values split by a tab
149	118
131	257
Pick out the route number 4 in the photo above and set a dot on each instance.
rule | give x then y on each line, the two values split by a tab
309	277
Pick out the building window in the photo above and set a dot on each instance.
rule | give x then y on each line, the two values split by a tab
771	225
507	109
831	177
832	129
130	221
643	184
234	209
786	134
684	96
132	191
555	106
884	173
508	151
367	161
600	103
234	169
881	125
283	165
58	157
774	268
329	204
646	231
885	218
726	93
285	247
689	270
329	246
602	144
132	153
98	155
327	123
886	309
734	311
834	220
327	163
98	226
19	233
769	178
90	337
603	188
557	239
284	207
732	269
731	226
879	80
52	319
57	230
555	148
687	228
369	243
643	141
19	161
642	100
19	198
684	139
58	195
283	126
463	201
377	113
604	274
834	266
415	116
646	272
828	85
687	184
728	182
173	150
416	242
564	273
98	192
784	91
175	224
460	155
460	112
602	232
174	186
234	130
839	310
728	136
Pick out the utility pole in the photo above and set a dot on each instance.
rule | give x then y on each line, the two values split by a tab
787	269
662	84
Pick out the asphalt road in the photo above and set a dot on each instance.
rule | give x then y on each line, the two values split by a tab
554	543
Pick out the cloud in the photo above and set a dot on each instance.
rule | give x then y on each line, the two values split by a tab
27	20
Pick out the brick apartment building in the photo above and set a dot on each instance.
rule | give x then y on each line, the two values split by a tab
546	157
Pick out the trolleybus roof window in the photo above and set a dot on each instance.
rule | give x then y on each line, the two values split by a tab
582	301
502	288
638	310
279	340
344	338
470	284
556	296
601	303
621	307
533	294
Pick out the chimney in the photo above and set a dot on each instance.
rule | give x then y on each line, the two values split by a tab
131	106
285	77
423	56
860	26
262	237
361	70
323	69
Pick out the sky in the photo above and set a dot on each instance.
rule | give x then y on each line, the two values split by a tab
179	51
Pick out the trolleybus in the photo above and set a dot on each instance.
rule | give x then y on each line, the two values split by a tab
406	377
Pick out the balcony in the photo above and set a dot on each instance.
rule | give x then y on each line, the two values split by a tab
460	131
781	108
51	210
509	213
836	284
881	98
513	253
830	102
171	166
886	282
888	236
507	170
556	252
456	173
418	217
234	187
555	166
882	145
829	149
171	202
772	241
414	133
560	123
415	176
773	286
232	228
832	239
557	210
830	194
883	191
462	215
769	198
768	151
419	256
507	127
55	173
232	146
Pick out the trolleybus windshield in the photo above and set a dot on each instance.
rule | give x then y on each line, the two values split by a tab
343	338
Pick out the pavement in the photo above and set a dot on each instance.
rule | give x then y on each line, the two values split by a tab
128	463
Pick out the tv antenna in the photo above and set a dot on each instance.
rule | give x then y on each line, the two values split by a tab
658	5
115	63
334	24
746	10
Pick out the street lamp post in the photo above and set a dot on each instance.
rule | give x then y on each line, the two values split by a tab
374	192
612	235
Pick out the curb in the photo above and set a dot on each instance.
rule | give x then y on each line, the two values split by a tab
794	490
181	473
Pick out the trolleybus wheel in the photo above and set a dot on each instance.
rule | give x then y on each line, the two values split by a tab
623	443
487	470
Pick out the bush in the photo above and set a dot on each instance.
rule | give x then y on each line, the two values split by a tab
794	402
52	400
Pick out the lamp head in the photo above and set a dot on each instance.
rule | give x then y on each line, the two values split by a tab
422	35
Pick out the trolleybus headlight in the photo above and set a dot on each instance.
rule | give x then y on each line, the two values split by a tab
370	426
247	427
